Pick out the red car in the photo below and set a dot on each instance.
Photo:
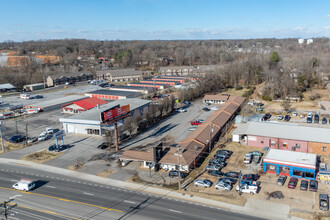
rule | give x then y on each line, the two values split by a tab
292	183
196	122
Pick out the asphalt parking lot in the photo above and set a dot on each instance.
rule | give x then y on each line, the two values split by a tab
172	129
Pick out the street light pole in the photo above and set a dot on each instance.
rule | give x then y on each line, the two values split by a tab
179	183
3	148
210	142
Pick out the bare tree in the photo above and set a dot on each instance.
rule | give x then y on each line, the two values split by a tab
286	105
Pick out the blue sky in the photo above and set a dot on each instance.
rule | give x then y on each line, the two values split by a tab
23	20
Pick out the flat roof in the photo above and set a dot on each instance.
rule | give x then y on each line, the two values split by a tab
132	87
289	131
58	101
158	84
176	82
94	114
6	86
293	157
113	92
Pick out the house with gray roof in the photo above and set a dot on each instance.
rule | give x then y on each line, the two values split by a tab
62	78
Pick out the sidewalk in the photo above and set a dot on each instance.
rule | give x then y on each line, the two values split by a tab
253	207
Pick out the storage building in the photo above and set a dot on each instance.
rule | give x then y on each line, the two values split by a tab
143	90
82	105
158	86
34	87
107	94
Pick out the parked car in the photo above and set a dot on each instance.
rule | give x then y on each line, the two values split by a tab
217	161
196	122
43	136
247	158
246	188
253	177
223	186
324	202
281	180
213	167
316	118
206	109
175	173
214	108
49	130
32	139
294	114
287	118
220	157
266	117
256	153
280	117
292	183
17	138
215	173
228	152
181	110
304	185
309	118
203	182
193	128
232	174
228	180
324	120
313	185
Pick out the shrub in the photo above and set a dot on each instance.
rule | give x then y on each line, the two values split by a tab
315	96
238	87
266	98
249	92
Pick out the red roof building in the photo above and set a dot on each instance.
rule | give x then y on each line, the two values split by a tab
82	105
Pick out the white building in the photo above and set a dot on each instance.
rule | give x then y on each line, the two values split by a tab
301	41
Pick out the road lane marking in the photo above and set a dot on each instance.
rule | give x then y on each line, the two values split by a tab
46	211
129	201
65	200
13	180
86	193
172	210
53	187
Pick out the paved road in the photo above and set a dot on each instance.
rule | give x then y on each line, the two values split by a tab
62	197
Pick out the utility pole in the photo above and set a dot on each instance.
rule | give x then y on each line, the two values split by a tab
26	132
16	126
210	142
178	152
3	147
6	206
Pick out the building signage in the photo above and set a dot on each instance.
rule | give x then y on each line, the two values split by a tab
252	138
114	113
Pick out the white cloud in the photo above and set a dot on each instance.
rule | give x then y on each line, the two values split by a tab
327	16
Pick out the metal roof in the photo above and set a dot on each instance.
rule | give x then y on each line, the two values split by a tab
291	157
7	86
114	93
131	87
94	114
289	131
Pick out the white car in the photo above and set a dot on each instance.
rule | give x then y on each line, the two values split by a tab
248	158
49	130
24	185
203	182
246	188
223	186
181	110
294	114
193	128
214	108
280	117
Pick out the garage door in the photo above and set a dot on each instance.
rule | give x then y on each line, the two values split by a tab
70	128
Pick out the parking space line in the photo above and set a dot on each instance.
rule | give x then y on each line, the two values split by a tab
172	210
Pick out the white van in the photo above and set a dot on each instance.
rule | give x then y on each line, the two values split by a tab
24	185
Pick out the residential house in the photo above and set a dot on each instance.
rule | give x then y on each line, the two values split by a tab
58	79
120	75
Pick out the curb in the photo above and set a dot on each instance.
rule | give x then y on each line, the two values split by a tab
152	190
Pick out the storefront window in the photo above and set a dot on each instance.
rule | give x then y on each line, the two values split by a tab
297	173
285	170
271	167
309	175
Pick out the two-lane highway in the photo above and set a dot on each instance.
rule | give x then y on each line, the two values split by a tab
62	197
